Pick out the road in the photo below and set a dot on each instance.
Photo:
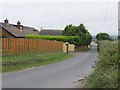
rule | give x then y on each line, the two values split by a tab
63	74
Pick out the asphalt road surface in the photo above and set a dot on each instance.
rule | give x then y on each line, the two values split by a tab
63	74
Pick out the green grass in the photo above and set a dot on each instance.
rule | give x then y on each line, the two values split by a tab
105	74
28	60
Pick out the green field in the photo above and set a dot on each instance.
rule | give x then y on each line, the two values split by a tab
105	74
28	60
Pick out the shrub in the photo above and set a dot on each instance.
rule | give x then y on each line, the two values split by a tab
106	72
70	39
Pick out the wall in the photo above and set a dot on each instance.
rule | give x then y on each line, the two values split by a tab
5	33
71	48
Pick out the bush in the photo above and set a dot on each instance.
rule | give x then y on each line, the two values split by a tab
71	39
106	72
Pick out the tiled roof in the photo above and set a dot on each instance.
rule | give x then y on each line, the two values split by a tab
51	32
16	32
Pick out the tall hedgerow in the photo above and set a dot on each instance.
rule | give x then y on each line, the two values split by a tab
70	39
106	72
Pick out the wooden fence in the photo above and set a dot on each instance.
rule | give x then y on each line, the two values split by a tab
21	45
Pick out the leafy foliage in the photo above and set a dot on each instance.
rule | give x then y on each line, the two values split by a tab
106	72
80	31
70	39
102	36
77	35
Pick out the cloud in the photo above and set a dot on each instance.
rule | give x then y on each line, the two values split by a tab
58	15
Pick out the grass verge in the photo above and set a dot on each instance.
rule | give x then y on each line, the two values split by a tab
28	60
105	74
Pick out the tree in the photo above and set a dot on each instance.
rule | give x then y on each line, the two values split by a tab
118	37
69	30
81	31
88	38
103	36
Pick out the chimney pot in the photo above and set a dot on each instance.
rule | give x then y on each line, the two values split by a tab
19	25
6	21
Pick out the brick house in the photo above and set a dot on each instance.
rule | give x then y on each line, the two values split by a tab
15	31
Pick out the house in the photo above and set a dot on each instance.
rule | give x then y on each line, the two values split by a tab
54	32
15	31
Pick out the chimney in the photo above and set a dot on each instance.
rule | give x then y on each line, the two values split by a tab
18	25
6	21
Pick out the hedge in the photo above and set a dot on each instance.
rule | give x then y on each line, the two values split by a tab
106	73
70	39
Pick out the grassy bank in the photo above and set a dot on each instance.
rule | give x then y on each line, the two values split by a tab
28	60
106	72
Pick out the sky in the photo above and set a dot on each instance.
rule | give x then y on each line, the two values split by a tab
96	16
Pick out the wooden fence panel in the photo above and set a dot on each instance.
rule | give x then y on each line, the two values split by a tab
20	45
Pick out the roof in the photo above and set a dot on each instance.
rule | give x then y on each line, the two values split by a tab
11	28
28	30
51	32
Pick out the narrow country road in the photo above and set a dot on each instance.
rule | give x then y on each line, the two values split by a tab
59	75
